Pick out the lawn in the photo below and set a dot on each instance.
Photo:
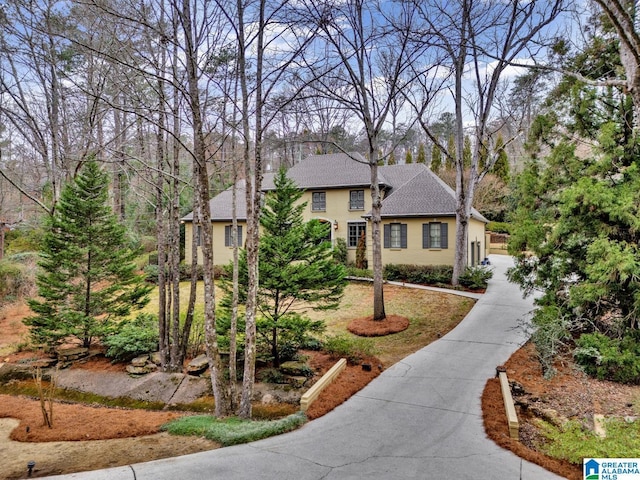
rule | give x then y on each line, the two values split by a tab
431	314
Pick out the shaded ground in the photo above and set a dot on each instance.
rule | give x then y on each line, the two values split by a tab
570	394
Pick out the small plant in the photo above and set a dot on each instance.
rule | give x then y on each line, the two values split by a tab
475	277
45	394
133	338
340	251
233	431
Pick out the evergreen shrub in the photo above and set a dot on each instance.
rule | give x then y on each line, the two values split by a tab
133	338
615	359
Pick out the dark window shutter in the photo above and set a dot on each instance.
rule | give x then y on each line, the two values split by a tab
425	235
227	236
444	235
403	235
387	236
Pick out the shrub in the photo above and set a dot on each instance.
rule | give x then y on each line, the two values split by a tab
419	274
133	338
17	276
610	358
475	277
499	227
23	239
352	271
340	251
354	349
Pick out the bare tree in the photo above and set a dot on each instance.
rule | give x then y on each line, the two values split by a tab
479	39
367	66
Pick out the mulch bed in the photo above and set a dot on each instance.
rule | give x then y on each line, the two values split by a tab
368	327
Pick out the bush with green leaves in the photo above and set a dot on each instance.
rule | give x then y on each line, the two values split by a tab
294	332
233	431
25	238
475	277
353	348
419	274
133	338
616	359
340	251
499	227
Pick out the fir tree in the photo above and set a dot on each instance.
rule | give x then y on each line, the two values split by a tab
436	159
422	154
408	158
87	280
296	268
501	167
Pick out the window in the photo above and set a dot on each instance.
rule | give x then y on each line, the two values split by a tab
356	200
356	230
228	231
395	235
319	201
198	235
435	235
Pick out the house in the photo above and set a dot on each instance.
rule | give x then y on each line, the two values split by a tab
418	211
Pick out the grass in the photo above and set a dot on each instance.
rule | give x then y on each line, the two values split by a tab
573	442
233	431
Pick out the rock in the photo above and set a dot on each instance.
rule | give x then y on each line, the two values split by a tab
268	399
140	361
198	365
299	369
155	358
296	381
68	355
143	370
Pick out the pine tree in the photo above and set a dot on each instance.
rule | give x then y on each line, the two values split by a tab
87	280
408	158
466	152
422	154
501	167
296	268
436	159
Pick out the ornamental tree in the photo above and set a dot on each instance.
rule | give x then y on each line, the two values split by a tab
297	270
87	279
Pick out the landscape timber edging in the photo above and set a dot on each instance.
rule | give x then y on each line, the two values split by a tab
510	409
312	394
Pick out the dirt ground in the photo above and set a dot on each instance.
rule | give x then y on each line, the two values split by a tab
114	437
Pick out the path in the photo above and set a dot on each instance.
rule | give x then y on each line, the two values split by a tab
419	419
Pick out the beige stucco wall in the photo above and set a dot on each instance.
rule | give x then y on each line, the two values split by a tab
338	215
221	255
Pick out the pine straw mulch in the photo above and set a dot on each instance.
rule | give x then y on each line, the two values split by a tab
368	327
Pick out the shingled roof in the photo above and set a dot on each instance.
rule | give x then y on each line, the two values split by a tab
221	205
412	189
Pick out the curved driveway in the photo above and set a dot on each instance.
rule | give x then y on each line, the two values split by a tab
420	419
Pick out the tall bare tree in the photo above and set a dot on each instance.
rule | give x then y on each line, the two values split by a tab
367	64
479	39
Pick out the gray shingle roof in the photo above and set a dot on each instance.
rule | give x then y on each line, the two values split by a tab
412	190
335	170
221	204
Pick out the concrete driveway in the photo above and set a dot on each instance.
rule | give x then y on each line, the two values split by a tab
420	419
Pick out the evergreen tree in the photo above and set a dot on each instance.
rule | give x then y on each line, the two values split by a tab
392	159
436	159
422	154
466	152
501	167
296	268
451	150
87	280
576	228
408	158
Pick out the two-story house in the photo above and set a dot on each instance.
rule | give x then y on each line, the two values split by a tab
418	211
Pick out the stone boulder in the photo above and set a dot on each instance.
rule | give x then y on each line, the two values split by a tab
198	365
